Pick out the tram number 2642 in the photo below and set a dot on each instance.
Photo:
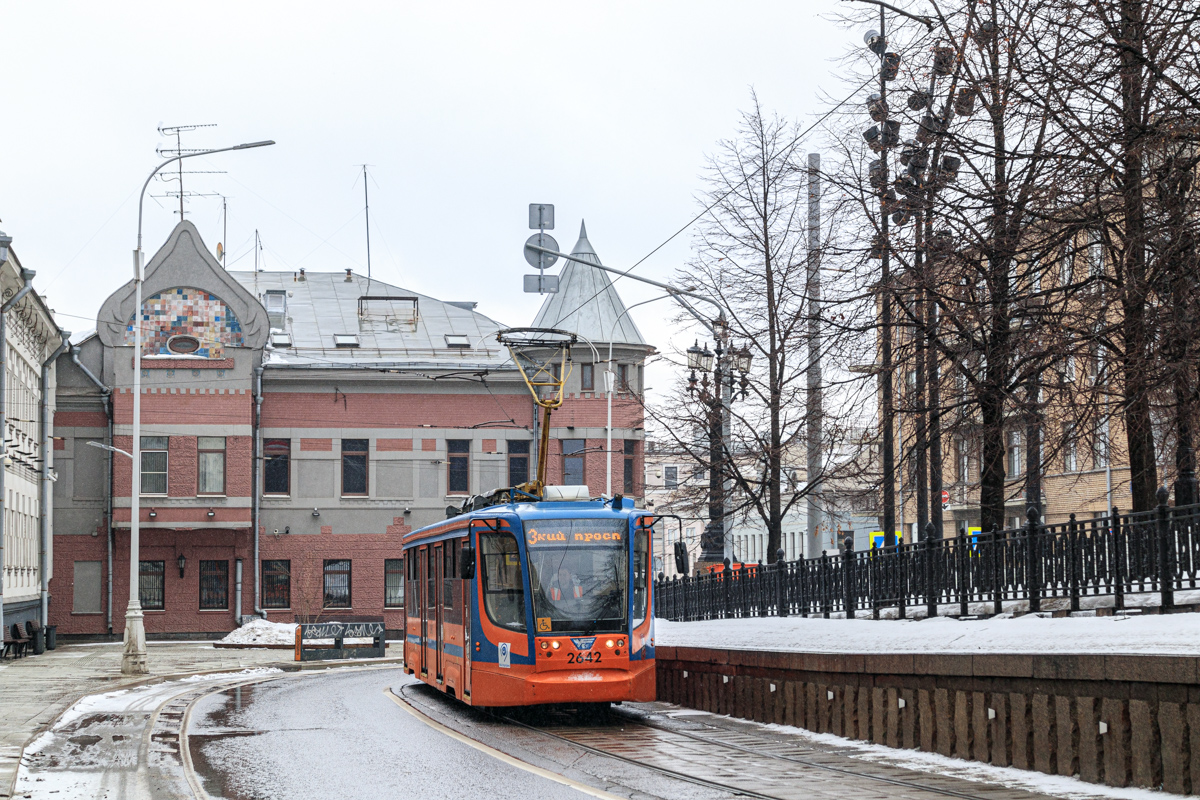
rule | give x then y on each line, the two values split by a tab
583	658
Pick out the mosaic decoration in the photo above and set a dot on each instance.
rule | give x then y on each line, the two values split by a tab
187	312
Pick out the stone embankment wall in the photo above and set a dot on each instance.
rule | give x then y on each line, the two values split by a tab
1119	720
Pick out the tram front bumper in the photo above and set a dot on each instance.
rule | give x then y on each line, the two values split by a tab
583	685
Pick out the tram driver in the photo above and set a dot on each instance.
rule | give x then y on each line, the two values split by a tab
566	586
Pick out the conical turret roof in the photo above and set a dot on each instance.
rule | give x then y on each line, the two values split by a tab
587	303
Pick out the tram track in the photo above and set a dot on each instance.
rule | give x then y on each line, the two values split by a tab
756	767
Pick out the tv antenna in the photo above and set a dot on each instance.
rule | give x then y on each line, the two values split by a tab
179	150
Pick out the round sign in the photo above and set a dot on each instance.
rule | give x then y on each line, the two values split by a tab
945	498
540	260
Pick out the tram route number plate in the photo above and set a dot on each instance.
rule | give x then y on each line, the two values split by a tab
505	658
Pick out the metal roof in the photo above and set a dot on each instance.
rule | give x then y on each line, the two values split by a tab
385	324
587	303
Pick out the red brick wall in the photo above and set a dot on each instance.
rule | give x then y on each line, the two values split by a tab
80	419
393	445
198	406
315	410
307	552
183	464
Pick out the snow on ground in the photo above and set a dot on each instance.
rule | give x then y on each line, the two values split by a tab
261	631
1167	634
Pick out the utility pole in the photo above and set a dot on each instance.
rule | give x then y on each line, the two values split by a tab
815	466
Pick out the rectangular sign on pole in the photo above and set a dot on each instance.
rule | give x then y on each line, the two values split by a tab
541	216
541	284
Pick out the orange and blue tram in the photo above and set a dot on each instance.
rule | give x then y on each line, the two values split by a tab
529	603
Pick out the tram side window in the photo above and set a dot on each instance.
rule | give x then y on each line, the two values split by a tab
412	590
503	588
431	579
449	579
641	575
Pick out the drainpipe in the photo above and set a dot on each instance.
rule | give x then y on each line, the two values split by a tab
254	481
106	396
27	277
237	589
44	499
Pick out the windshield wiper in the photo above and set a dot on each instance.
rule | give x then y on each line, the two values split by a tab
596	622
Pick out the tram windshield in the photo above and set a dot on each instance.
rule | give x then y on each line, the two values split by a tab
579	573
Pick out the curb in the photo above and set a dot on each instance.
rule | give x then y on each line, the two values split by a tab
283	666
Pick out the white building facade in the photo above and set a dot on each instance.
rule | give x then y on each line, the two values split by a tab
31	339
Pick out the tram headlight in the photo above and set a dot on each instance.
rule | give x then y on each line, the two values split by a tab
545	645
609	643
621	643
555	645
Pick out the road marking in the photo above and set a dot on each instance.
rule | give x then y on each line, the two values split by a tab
499	754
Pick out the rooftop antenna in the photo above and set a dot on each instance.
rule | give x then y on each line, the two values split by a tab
179	150
367	212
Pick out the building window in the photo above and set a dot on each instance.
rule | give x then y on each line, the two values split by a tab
154	465
573	461
458	456
630	451
1070	463
670	477
276	302
518	462
587	377
393	583
277	584
212	464
1096	253
963	471
214	584
152	585
1100	447
277	466
623	378
354	467
337	583
1014	453
1066	265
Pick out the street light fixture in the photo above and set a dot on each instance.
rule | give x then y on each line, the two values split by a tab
133	659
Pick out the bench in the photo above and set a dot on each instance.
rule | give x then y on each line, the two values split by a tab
18	642
312	638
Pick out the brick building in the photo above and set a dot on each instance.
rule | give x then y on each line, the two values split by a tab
359	410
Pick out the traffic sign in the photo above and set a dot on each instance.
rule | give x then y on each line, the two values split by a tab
541	217
537	259
945	499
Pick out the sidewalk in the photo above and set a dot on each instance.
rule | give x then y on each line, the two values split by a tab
36	689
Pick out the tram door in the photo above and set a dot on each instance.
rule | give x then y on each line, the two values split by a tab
423	602
439	571
467	594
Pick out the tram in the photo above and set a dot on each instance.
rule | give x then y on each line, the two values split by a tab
533	594
533	602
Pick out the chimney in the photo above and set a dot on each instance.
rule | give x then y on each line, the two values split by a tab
302	278
349	276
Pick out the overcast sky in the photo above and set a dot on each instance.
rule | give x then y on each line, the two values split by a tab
468	111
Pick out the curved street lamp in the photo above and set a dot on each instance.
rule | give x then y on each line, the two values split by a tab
133	659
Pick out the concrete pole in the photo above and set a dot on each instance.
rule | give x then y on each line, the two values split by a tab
815	411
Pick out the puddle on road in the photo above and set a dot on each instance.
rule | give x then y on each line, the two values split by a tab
215	718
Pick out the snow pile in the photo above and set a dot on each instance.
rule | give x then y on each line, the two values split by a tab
262	631
1167	634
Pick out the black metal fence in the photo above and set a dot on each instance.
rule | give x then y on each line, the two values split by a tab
1114	555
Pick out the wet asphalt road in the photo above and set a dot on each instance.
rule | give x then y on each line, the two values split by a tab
337	735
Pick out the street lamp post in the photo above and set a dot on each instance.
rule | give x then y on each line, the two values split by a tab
717	404
133	660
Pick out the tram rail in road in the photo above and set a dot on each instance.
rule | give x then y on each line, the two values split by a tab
732	758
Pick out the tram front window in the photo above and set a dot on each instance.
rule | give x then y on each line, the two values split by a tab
579	573
503	594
